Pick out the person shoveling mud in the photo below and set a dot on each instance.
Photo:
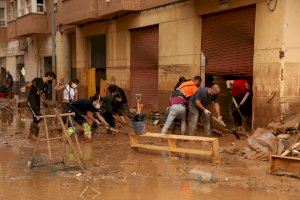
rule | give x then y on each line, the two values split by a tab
198	106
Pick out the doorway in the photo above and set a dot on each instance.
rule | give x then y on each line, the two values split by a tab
98	57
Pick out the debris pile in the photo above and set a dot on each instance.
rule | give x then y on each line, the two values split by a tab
277	138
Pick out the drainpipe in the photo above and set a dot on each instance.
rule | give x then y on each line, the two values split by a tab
53	47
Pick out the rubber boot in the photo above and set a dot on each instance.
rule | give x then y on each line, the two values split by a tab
70	130
34	129
87	130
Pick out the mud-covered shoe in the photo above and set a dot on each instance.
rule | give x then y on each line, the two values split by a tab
70	130
88	134
86	127
34	129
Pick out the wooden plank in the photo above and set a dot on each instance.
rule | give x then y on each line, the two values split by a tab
288	164
152	147
91	81
178	137
176	150
191	151
48	141
290	149
172	145
133	139
54	116
56	138
215	152
103	87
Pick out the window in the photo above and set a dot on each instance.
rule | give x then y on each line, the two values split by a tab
40	6
11	10
27	7
2	17
20	8
55	5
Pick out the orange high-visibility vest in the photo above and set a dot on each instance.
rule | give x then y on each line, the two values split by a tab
188	88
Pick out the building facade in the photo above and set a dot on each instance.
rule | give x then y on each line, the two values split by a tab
144	46
27	41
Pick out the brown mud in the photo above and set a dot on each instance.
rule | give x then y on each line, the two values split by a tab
117	172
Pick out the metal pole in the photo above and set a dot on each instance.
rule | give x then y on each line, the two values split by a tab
53	46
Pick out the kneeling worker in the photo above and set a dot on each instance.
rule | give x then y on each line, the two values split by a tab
86	108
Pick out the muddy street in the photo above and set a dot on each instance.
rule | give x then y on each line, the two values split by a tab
117	172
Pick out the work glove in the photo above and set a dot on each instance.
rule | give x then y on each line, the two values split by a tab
207	112
97	122
220	119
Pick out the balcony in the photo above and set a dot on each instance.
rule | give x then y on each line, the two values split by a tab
33	23
76	11
3	34
108	8
146	4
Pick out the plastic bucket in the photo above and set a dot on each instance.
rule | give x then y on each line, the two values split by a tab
139	127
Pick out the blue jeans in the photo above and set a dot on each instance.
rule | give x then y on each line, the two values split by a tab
193	120
176	110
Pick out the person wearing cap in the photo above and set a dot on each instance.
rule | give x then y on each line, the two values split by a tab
38	88
198	107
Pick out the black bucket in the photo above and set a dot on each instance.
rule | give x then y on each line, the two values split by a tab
139	124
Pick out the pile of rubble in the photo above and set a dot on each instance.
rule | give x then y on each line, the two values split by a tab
278	137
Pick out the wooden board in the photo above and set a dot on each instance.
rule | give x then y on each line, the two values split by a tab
178	137
103	87
284	163
152	147
172	146
191	151
91	81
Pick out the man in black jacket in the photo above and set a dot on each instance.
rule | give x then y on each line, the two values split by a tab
119	102
38	88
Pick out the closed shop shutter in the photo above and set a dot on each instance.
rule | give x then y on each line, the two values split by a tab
144	65
228	42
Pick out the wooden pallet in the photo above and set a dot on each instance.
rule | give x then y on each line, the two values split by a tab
284	163
172	146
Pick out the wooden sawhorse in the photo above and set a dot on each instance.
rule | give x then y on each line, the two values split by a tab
65	137
172	147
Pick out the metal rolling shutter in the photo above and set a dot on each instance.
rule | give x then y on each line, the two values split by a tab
144	65
228	41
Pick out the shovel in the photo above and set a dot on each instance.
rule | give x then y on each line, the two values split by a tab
139	106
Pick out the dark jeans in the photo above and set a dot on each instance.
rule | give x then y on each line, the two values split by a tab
109	118
245	109
35	109
79	118
123	109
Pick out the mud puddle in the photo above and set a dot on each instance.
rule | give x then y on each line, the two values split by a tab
19	182
119	173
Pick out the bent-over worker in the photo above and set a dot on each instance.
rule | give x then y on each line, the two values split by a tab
177	110
189	88
241	92
86	108
198	106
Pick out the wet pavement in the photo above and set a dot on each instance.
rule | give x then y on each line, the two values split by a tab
119	173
